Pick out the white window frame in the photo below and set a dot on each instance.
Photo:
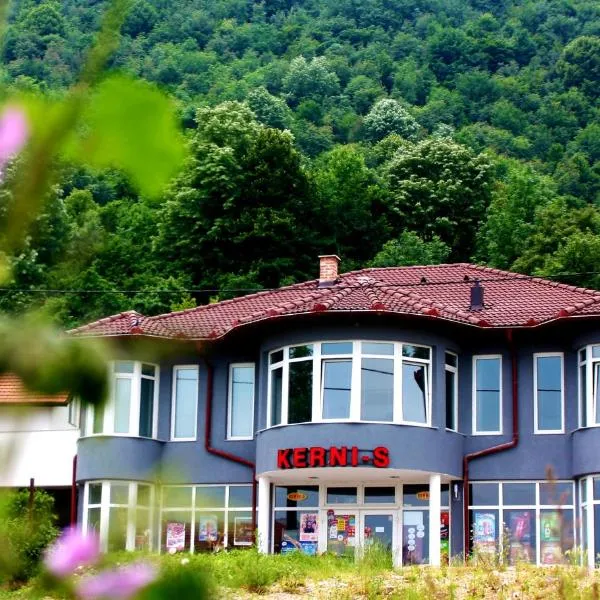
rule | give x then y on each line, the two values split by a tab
536	429
355	356
233	366
453	370
74	413
588	404
474	430
582	404
108	421
173	401
105	506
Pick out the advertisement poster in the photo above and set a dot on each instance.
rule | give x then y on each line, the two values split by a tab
341	533
208	528
243	533
445	533
520	527
550	547
484	531
413	546
309	527
175	538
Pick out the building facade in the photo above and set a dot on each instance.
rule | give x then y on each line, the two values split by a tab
432	410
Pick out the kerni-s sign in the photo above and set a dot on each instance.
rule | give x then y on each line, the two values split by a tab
334	456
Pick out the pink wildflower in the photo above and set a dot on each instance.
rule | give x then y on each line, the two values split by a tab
119	584
14	132
71	550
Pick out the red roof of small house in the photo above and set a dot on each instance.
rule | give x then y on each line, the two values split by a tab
12	391
439	291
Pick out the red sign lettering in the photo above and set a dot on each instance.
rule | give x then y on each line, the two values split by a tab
334	456
381	457
283	459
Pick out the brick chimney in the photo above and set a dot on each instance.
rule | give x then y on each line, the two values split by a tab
328	269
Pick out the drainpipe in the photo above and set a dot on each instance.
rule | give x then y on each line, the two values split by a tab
74	493
493	449
222	453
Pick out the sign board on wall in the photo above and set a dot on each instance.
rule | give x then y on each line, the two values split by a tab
334	456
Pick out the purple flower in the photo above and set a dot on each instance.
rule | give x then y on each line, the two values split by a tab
71	550
14	132
118	584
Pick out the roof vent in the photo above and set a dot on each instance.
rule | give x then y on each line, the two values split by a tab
328	270
476	296
423	279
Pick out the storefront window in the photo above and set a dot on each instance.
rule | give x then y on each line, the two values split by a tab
368	381
297	527
120	514
206	517
380	495
342	495
520	527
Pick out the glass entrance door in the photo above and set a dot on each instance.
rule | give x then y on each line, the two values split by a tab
378	530
342	532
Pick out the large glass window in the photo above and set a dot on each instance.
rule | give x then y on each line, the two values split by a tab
522	521
120	514
185	403
361	380
296	519
487	394
131	406
206	518
548	377
241	401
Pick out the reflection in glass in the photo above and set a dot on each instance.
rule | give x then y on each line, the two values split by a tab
377	389
337	375
186	395
300	392
549	392
242	401
518	494
336	348
414	398
487	399
341	495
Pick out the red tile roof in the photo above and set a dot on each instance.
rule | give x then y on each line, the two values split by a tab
12	391
440	291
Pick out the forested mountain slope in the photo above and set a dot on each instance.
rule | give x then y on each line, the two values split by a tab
389	132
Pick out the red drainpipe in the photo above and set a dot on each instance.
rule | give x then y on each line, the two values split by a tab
493	449
222	453
74	493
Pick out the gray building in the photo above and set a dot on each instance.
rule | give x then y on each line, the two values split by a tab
433	410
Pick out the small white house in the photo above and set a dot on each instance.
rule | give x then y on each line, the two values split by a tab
38	441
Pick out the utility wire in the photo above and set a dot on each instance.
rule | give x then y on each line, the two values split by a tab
426	282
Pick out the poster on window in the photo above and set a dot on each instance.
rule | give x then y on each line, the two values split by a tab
413	537
550	547
309	527
484	531
445	533
208	528
175	538
520	526
341	534
243	532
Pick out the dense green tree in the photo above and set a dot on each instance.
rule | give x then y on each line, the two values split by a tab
579	65
389	116
409	249
440	188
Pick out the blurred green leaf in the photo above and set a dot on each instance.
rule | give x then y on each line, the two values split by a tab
130	125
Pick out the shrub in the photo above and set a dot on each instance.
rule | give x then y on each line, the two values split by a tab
24	534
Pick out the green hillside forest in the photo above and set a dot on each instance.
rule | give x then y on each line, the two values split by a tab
389	132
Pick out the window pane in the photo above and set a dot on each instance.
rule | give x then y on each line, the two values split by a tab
276	356
414	398
146	407
583	395
518	493
549	384
596	490
93	524
242	401
582	355
488	411
95	493
117	529
186	395
377	389
341	495
380	495
300	392
276	395
123	366
415	495
210	496
597	392
143	495
287	531
415	537
142	530
415	351
122	404
336	348
148	370
483	494
177	497
556	493
98	412
451	359
488	374
451	400
210	531
119	493
240	496
485	528
595	351
301	351
377	348
520	526
176	531
556	535
296	496
336	389
241	528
